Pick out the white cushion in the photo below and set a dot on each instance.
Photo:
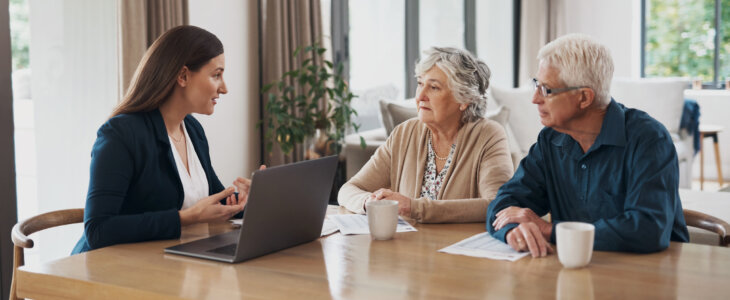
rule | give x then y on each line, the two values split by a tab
524	119
385	116
661	98
393	113
400	113
500	115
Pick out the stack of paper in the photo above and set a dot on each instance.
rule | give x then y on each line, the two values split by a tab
328	227
485	246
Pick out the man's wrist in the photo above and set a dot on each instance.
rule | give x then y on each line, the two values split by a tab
546	230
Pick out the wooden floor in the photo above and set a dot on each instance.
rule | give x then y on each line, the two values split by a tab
710	185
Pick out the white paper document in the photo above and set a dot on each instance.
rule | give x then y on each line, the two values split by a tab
358	224
328	227
485	246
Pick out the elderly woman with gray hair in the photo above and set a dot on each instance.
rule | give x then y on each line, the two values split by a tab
447	164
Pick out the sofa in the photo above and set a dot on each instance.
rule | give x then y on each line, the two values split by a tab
662	98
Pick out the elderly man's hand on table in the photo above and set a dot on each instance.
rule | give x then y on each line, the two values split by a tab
514	214
527	237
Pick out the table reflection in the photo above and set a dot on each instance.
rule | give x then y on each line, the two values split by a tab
575	284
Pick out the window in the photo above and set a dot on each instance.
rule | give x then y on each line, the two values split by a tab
377	30
386	37
65	84
441	24
495	40
681	39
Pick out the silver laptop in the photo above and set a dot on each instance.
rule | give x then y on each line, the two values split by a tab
286	207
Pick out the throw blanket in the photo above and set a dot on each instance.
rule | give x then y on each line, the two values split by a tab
691	121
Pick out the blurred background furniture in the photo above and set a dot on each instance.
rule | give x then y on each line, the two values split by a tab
23	229
710	131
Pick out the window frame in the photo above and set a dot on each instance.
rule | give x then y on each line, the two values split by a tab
340	37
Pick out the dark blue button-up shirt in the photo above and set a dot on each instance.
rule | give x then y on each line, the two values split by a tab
625	184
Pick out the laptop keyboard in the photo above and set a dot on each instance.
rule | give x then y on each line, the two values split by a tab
229	249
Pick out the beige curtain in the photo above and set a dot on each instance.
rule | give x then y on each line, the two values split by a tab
286	25
541	22
140	23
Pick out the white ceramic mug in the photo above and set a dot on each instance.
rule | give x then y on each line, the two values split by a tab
575	243
382	218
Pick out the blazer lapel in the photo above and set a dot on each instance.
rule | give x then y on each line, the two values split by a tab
163	141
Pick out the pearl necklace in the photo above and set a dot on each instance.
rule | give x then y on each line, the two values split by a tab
434	150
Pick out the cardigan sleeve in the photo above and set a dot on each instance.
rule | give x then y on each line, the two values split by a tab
112	169
375	174
495	167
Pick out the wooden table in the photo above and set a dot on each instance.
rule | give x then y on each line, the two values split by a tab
355	267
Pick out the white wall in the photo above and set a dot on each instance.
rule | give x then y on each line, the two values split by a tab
616	24
495	39
231	130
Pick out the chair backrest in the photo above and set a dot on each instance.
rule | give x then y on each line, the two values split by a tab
710	223
23	229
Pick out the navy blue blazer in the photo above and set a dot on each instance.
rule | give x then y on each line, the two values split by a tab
135	191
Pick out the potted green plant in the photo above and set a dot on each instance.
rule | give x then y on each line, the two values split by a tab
294	111
296	117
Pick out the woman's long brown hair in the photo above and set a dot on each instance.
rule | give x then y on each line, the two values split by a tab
157	72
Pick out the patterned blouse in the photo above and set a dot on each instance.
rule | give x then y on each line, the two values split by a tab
431	180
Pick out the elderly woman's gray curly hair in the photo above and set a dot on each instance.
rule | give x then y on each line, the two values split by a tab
468	78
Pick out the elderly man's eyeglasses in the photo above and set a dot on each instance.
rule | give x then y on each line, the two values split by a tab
546	92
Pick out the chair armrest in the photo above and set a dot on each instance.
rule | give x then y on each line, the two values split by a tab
709	223
23	229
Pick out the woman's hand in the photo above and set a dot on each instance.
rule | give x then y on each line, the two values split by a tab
244	186
527	237
209	209
404	203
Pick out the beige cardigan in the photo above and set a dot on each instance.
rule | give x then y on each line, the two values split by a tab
481	164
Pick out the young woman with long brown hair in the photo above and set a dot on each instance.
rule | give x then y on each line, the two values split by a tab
150	168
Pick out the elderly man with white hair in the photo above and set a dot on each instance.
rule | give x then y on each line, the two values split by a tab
596	161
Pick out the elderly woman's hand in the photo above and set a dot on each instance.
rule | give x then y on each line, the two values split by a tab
514	214
404	203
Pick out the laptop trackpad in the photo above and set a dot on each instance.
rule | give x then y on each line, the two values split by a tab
212	243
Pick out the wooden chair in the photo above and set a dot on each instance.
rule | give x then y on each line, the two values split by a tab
709	223
23	229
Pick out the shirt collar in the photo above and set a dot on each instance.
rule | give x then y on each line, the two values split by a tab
613	129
